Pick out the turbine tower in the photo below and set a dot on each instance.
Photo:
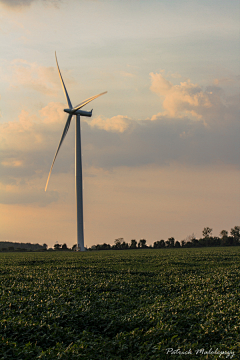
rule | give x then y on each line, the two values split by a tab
78	155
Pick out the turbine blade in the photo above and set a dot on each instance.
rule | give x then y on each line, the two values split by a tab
85	102
65	130
63	85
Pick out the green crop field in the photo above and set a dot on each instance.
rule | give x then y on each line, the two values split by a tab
133	304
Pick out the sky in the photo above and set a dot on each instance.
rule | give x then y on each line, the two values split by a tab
161	151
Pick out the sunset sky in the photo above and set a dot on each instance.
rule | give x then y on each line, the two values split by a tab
161	152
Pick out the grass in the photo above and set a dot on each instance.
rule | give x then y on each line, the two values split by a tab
131	304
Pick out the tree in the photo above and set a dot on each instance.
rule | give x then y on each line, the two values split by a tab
45	246
118	242
74	247
191	238
57	246
156	245
224	238
106	246
142	243
224	233
177	244
124	245
195	242
133	244
103	247
162	244
207	232
235	232
64	247
203	241
159	244
170	242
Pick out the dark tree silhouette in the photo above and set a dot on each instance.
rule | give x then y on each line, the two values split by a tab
159	244
224	233
133	244
235	232
177	244
170	242
57	247
118	243
207	232
190	241
142	243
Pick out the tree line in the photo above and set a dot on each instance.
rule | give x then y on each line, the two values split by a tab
207	240
15	246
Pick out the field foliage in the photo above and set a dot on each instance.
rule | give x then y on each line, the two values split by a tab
131	304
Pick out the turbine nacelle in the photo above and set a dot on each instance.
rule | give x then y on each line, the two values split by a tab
78	112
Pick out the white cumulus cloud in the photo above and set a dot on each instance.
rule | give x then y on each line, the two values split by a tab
117	123
180	100
34	77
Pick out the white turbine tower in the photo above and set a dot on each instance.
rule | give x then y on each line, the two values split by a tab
78	156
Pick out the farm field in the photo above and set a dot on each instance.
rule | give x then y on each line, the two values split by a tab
127	304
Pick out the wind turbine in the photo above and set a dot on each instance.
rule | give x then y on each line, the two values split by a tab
78	156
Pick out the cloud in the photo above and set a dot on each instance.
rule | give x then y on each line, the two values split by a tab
17	194
117	123
53	113
162	142
30	132
127	74
34	77
180	100
28	145
25	144
223	81
12	162
16	4
176	75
